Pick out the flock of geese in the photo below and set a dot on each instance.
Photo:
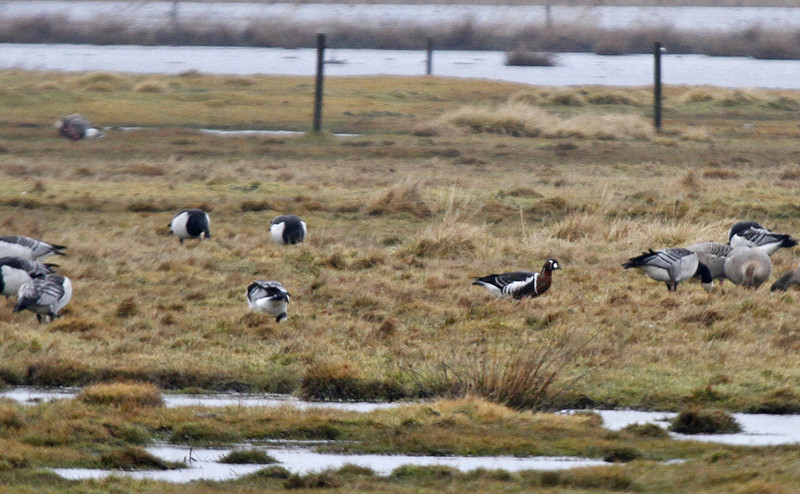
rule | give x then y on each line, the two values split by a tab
44	292
744	260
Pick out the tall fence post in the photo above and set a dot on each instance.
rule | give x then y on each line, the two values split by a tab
657	86
429	59
320	78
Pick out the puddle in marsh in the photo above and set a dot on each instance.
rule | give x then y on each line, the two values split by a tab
30	395
232	133
757	429
301	460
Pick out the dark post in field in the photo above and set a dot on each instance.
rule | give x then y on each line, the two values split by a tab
318	90
429	59
657	87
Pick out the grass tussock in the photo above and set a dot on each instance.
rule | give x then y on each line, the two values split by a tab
403	198
248	457
122	394
704	421
522	120
132	458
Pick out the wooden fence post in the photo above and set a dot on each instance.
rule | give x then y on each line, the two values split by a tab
429	59
320	78
657	87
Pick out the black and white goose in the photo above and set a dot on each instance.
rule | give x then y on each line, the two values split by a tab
44	296
28	248
288	229
16	271
76	127
191	223
672	266
752	234
519	284
270	297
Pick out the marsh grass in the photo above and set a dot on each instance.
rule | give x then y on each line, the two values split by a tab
704	421
398	224
122	394
248	456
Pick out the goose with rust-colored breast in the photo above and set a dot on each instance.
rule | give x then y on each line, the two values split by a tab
76	126
753	234
16	271
519	284
270	297
672	266
28	248
44	296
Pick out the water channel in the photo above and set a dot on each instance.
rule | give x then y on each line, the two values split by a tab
571	69
299	457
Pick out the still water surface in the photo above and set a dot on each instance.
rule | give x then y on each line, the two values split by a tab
571	69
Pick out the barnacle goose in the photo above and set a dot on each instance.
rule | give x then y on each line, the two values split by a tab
16	271
672	266
191	223
518	284
713	255
288	229
752	234
788	279
28	248
748	266
44	296
270	297
76	127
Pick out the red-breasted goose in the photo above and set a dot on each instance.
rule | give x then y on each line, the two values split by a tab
519	284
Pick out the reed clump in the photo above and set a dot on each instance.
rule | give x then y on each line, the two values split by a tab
122	394
704	421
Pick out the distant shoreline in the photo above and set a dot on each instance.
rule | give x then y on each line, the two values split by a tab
755	41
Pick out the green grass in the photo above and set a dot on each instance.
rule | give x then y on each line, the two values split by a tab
400	218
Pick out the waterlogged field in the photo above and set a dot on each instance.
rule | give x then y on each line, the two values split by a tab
441	181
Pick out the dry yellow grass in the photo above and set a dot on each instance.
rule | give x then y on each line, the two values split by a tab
398	224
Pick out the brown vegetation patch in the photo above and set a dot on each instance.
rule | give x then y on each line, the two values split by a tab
405	197
132	458
720	173
122	394
340	381
702	421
